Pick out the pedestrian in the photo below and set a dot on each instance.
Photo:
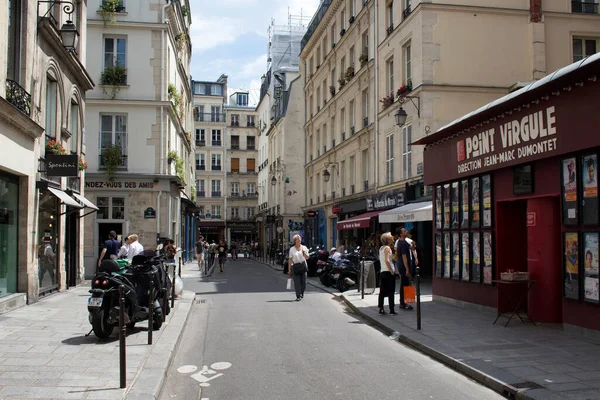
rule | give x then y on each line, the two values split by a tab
222	254
234	250
124	248
169	251
297	266
111	248
387	286
47	262
199	249
403	264
135	247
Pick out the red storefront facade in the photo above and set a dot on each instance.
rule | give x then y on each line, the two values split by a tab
516	188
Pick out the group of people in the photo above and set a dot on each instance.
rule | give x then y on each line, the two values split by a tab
397	258
208	253
131	247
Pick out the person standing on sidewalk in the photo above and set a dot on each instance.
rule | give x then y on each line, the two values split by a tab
222	254
200	252
298	254
111	247
403	264
387	286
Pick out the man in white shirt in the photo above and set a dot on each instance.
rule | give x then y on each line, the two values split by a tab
135	247
338	254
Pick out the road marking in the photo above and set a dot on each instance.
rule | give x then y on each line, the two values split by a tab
203	376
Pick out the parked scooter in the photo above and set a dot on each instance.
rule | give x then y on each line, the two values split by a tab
103	305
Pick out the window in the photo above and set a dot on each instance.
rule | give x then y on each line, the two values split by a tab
342	66
235	212
584	6
324	46
200	185
200	113
352	170
365	43
200	135
407	152
250	120
200	162
343	19
343	174
333	78
216	211
407	8
389	159
318	142
215	186
235	165
235	142
311	66
216	137
113	131
242	99
216	90
343	122
250	143
51	108
583	48
235	189
251	165
74	126
318	98
325	89
235	120
407	63
365	108
333	33
325	138
352	7
310	105
250	212
14	40
215	114
115	52
389	16
365	167
389	66
251	188
351	112
351	57
199	88
318	56
332	131
110	207
215	162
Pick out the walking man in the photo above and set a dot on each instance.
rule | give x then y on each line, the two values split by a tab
403	264
200	252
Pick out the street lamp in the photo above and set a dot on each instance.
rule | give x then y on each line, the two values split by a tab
273	180
400	116
326	174
69	35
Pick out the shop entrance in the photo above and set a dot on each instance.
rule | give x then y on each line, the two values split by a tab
103	230
71	253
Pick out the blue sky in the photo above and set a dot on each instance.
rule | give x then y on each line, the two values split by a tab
230	37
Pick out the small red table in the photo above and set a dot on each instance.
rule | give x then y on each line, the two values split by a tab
511	300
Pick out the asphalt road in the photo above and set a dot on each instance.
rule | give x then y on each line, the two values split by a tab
247	338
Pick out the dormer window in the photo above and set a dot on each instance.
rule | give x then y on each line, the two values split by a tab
242	99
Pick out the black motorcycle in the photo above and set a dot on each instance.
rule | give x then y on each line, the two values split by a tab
146	273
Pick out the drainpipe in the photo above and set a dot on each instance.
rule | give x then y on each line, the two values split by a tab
376	83
158	214
162	93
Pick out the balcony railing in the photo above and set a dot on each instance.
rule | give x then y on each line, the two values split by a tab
333	143
351	189
201	167
235	194
235	146
584	7
235	123
250	124
215	168
366	183
250	147
122	165
252	194
216	143
343	192
209	117
18	97
406	12
343	136
200	143
365	122
200	193
352	131
215	194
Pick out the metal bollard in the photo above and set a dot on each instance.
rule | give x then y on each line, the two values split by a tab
418	300
122	335
165	293
180	267
362	279
173	288
150	308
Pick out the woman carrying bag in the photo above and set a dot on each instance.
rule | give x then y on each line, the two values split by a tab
297	266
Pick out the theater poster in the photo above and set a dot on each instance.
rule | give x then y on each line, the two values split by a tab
455	205
589	195
475	203
438	254
455	255
487	258
446	255
571	271
465	256
569	191
476	262
590	257
438	207
486	182
447	206
464	201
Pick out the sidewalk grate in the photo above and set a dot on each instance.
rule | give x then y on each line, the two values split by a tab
526	385
200	301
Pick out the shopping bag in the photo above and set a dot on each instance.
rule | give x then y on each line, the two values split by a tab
289	284
409	294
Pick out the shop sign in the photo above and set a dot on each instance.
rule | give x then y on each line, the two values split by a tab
132	184
534	134
61	165
150	213
385	200
336	210
531	219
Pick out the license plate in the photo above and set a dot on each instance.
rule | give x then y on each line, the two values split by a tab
319	271
335	276
94	301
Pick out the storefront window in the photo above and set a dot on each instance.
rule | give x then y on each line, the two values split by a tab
102	203
48	241
118	208
9	206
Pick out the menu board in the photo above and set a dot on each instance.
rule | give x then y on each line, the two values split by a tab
464	201
446	206
589	195
569	190
487	257
571	271
465	256
438	254
475	203
455	254
476	252
438	207
446	255
486	183
590	256
455	205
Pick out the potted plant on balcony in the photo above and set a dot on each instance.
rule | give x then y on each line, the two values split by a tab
387	100
54	147
180	169
176	98
181	39
112	156
108	10
172	156
113	76
364	59
332	90
405	88
349	74
342	82
82	164
184	11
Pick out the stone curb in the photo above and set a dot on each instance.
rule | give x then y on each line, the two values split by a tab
148	384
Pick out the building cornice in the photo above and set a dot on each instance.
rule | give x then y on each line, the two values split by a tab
128	24
316	35
10	115
127	102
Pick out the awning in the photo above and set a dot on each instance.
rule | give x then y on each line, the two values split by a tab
86	202
413	212
360	221
65	198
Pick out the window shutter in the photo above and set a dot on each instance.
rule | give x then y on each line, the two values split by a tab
235	165
250	165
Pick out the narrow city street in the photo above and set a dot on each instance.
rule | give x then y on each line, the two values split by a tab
247	338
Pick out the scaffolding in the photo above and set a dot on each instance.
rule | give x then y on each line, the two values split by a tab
284	42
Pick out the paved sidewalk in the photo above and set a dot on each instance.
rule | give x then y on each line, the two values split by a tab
45	354
521	361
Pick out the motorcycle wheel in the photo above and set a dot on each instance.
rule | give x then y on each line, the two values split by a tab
102	329
157	321
341	283
130	325
324	278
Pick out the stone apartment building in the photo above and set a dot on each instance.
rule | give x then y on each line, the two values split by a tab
210	98
43	85
241	195
140	122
